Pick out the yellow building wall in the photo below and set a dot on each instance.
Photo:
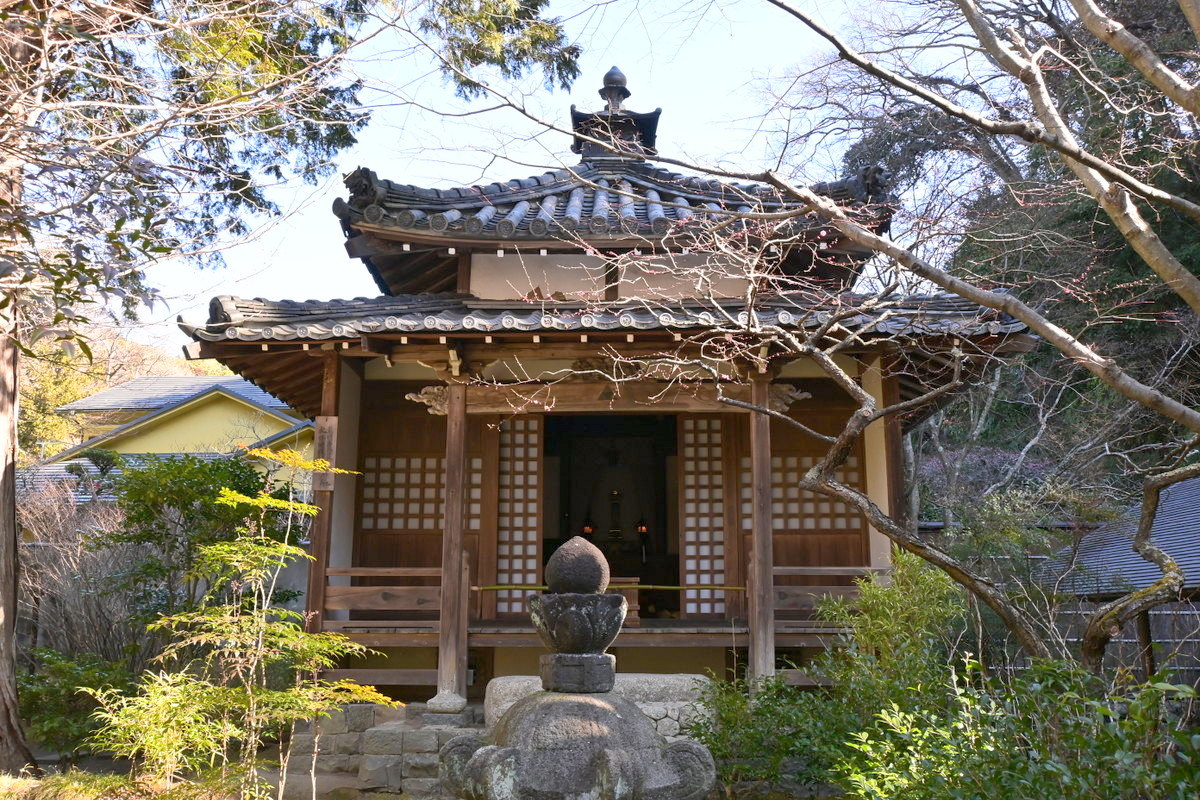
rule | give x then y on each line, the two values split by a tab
302	443
215	424
670	660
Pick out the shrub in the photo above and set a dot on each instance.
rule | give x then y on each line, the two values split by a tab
895	653
57	713
223	703
167	726
1050	732
170	516
899	723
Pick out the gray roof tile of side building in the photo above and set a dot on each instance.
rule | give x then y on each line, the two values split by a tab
1104	563
241	319
156	392
38	477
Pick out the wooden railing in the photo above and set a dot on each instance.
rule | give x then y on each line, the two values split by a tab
397	605
403	603
804	598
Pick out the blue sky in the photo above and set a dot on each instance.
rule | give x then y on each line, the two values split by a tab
706	64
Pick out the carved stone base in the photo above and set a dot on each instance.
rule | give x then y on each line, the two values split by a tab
447	702
585	673
552	746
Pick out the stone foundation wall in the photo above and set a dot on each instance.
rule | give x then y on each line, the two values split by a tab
374	752
376	749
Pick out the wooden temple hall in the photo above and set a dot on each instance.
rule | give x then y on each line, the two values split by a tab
476	458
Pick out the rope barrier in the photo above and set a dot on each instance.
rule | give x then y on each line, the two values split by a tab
612	588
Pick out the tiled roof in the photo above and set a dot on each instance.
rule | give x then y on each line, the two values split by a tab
1105	563
151	393
254	320
603	198
39	476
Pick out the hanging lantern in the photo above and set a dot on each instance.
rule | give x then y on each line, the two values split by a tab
588	528
642	528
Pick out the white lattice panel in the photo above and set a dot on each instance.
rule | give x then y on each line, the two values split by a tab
403	493
796	510
407	493
518	556
703	514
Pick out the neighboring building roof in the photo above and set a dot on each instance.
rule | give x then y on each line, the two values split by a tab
176	407
253	320
39	476
153	393
284	434
1104	563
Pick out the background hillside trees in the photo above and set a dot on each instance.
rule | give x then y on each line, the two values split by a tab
1067	139
134	130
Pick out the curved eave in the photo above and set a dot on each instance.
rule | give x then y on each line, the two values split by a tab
613	204
290	372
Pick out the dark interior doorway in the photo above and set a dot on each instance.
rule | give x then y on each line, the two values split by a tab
615	477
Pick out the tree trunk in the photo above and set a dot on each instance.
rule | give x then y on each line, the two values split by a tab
14	753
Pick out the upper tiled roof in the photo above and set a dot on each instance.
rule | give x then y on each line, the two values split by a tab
601	199
409	236
151	393
1105	563
253	320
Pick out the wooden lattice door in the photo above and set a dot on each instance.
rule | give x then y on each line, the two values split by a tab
702	447
519	512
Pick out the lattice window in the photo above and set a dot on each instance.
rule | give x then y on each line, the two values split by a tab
518	557
407	493
796	510
403	493
703	516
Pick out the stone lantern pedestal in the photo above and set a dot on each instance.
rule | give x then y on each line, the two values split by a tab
576	740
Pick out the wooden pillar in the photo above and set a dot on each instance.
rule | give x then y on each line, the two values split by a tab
325	447
762	558
1145	639
462	278
452	654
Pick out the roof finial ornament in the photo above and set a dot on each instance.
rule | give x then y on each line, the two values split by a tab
614	91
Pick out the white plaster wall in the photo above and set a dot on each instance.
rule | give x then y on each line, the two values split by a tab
807	368
378	370
879	466
677	277
663	278
517	275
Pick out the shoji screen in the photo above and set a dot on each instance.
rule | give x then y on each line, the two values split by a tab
518	557
702	489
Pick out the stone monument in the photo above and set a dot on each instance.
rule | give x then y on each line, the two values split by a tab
575	740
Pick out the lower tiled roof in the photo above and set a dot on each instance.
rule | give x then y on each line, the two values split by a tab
259	320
